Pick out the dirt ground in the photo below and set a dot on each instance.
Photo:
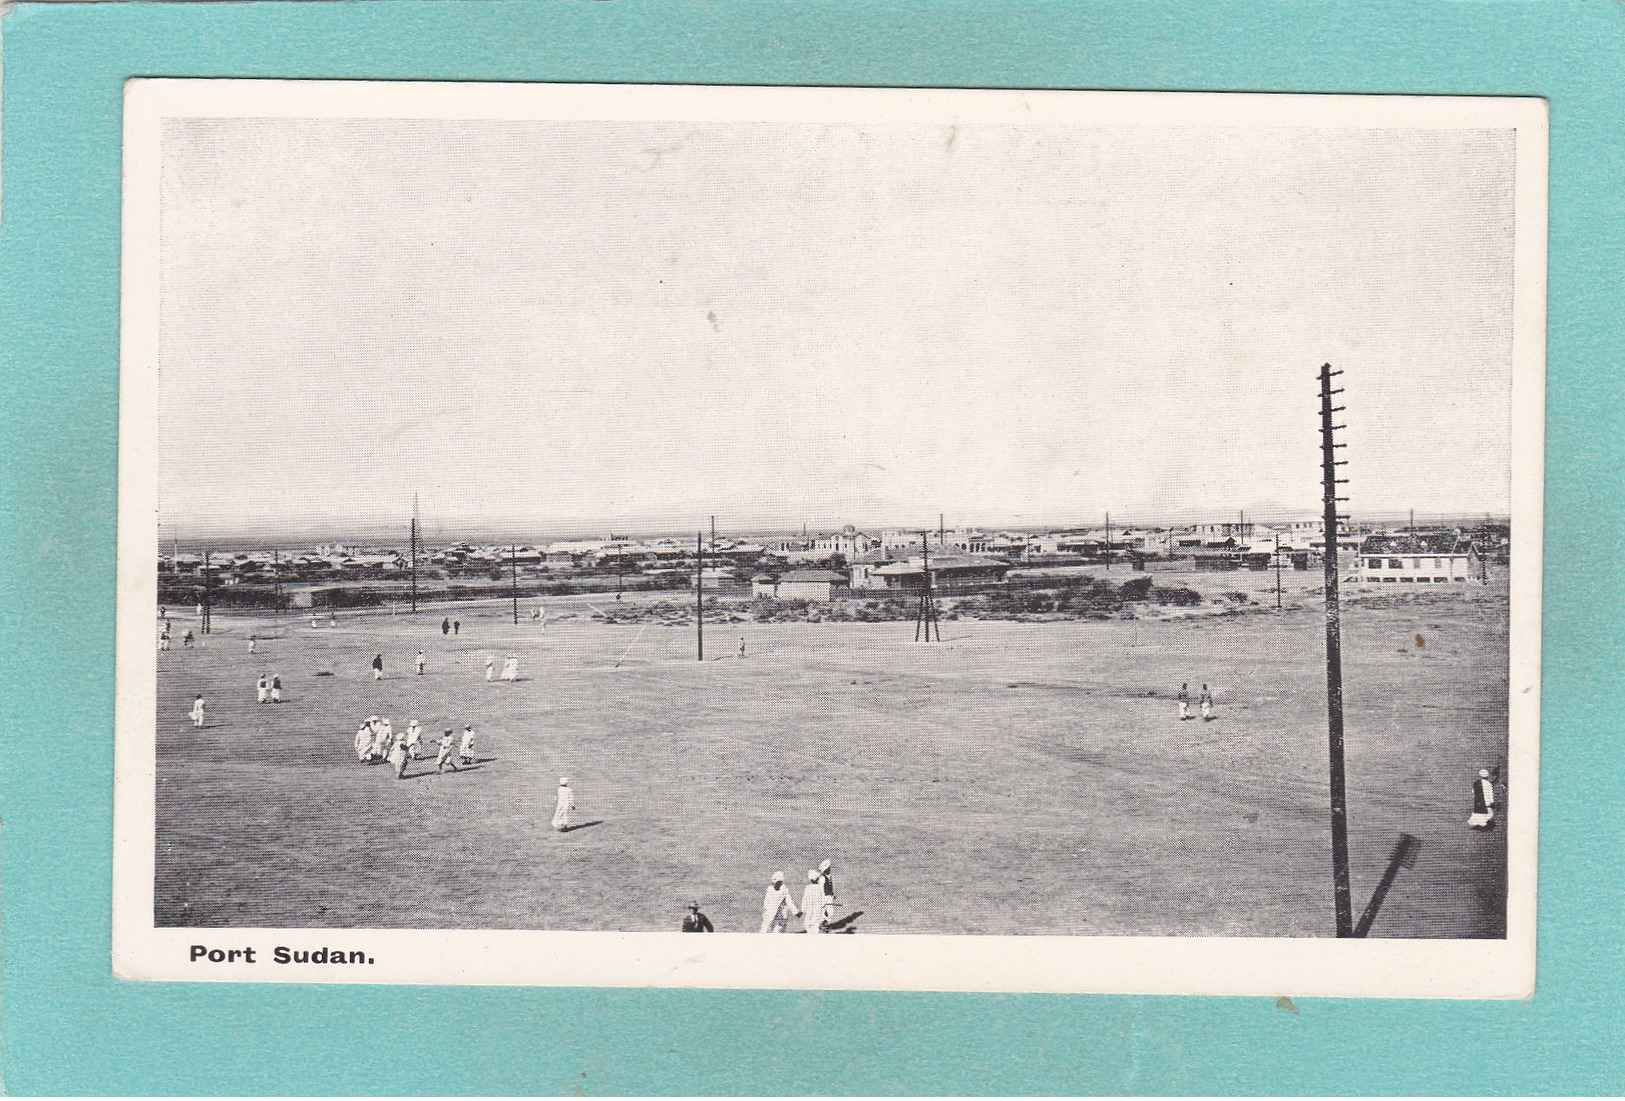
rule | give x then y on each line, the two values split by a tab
1015	778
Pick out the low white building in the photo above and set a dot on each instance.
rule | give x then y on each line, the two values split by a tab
1420	558
815	585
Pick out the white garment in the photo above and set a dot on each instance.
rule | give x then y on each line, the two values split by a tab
510	669
777	908
466	749
197	713
566	804
262	691
812	907
490	669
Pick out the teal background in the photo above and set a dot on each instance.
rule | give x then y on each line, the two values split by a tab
69	1027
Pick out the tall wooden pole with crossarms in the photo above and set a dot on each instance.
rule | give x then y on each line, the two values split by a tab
1334	651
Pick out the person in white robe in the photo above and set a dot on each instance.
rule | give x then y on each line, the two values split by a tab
1483	815
565	806
812	903
777	906
444	755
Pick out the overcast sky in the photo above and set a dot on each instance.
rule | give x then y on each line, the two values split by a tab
584	326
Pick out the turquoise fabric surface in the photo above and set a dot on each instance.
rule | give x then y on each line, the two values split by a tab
70	1027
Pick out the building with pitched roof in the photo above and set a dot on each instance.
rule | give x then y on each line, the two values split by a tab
1418	558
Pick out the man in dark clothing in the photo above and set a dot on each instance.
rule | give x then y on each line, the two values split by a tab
445	626
696	922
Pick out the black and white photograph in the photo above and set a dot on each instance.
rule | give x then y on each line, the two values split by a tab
1045	540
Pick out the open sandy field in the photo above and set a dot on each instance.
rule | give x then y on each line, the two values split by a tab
1016	778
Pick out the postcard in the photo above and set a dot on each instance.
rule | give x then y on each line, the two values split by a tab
984	540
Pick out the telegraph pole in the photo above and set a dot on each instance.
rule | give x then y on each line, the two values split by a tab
1334	652
414	553
699	596
1277	571
513	577
206	621
276	577
1108	542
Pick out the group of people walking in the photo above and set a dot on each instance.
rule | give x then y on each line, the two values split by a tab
510	669
817	909
376	741
1204	702
268	689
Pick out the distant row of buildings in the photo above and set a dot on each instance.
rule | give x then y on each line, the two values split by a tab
849	560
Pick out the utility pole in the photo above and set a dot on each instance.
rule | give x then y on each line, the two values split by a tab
699	596
942	532
414	553
1334	652
925	618
276	577
206	620
1108	542
1277	571
513	578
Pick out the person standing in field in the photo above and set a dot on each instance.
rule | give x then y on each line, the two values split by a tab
163	638
363	742
826	879
252	642
262	689
398	756
777	906
510	669
1483	816
565	806
420	663
490	669
696	922
443	757
1207	704
1184	701
812	903
445	626
456	627
276	687
741	647
186	639
200	611
332	619
378	667
414	739
465	750
197	712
